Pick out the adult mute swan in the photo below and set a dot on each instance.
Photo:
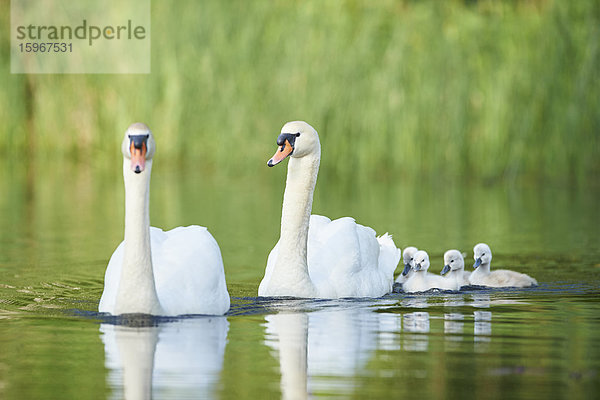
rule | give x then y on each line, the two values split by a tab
421	280
408	259
154	272
482	276
317	257
454	269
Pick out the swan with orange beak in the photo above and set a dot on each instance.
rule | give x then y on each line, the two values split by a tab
286	142
156	272
138	149
315	256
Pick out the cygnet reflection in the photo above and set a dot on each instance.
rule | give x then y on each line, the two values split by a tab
416	322
482	327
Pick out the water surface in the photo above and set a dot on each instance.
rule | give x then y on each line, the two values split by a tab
60	224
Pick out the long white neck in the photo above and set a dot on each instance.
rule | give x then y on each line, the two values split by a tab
137	291
291	264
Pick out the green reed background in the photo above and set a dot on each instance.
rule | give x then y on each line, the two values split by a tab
485	89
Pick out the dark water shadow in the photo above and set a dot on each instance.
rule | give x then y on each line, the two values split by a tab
257	305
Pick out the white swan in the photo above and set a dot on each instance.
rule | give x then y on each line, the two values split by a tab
454	269
421	280
408	259
317	257
482	276
154	272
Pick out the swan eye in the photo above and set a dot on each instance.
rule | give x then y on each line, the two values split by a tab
298	134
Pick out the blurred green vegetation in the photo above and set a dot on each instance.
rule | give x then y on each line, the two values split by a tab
397	89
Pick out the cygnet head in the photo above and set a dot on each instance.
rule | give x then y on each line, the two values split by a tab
421	260
453	261
408	259
482	254
138	146
297	139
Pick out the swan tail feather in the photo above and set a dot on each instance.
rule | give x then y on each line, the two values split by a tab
389	255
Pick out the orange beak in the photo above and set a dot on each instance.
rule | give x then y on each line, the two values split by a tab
281	154
138	157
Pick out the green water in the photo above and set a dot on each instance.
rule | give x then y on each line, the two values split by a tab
59	224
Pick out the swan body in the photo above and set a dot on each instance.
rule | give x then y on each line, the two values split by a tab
421	280
482	276
337	250
315	256
408	259
454	270
170	273
184	283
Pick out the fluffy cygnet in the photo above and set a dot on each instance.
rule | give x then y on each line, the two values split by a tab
454	270
408	259
421	280
482	276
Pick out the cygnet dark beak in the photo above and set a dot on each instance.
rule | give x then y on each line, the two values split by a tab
406	269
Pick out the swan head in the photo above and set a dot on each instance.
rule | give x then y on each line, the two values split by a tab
453	261
482	254
138	146
421	260
408	259
297	139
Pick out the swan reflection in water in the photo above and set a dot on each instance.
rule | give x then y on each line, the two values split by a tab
323	350
177	359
